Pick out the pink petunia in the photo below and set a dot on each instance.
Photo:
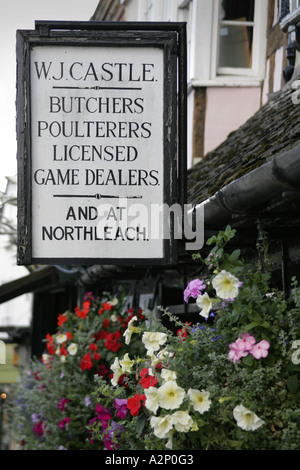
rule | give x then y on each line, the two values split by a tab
260	350
245	343
193	289
235	354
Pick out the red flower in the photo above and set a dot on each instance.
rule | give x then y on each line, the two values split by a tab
102	372
111	342
38	429
50	348
102	334
122	380
97	356
105	322
83	313
183	331
149	381
86	362
63	351
69	335
105	306
93	347
134	403
61	319
144	372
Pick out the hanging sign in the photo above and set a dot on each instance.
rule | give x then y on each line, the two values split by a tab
97	145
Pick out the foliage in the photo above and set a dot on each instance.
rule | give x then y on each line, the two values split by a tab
54	400
229	382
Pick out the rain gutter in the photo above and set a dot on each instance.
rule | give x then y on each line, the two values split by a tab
265	184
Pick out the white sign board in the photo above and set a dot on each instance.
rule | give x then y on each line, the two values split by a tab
99	169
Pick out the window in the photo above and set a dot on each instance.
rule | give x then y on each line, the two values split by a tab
235	34
239	38
226	38
289	13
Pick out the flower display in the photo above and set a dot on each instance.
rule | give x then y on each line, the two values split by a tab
58	390
224	380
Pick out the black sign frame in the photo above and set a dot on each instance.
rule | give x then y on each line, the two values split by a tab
169	36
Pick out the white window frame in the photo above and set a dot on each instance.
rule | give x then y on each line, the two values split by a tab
293	17
202	18
205	53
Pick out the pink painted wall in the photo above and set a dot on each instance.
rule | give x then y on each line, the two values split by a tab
226	110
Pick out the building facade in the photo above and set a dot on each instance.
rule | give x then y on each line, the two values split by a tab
238	56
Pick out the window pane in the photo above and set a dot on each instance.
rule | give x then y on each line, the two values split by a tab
235	46
237	10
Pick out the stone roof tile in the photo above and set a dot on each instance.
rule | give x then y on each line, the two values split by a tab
273	129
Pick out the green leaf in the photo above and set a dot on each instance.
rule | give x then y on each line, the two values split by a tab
293	384
248	360
254	316
141	423
211	240
201	422
251	325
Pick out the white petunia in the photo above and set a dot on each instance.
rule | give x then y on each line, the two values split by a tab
204	302
151	402
200	400
226	285
130	329
126	364
167	374
153	341
61	338
72	349
246	419
161	425
117	370
182	421
170	395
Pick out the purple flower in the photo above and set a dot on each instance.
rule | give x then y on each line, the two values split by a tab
87	401
38	429
103	414
88	296
112	433
62	403
63	423
121	406
194	289
34	418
